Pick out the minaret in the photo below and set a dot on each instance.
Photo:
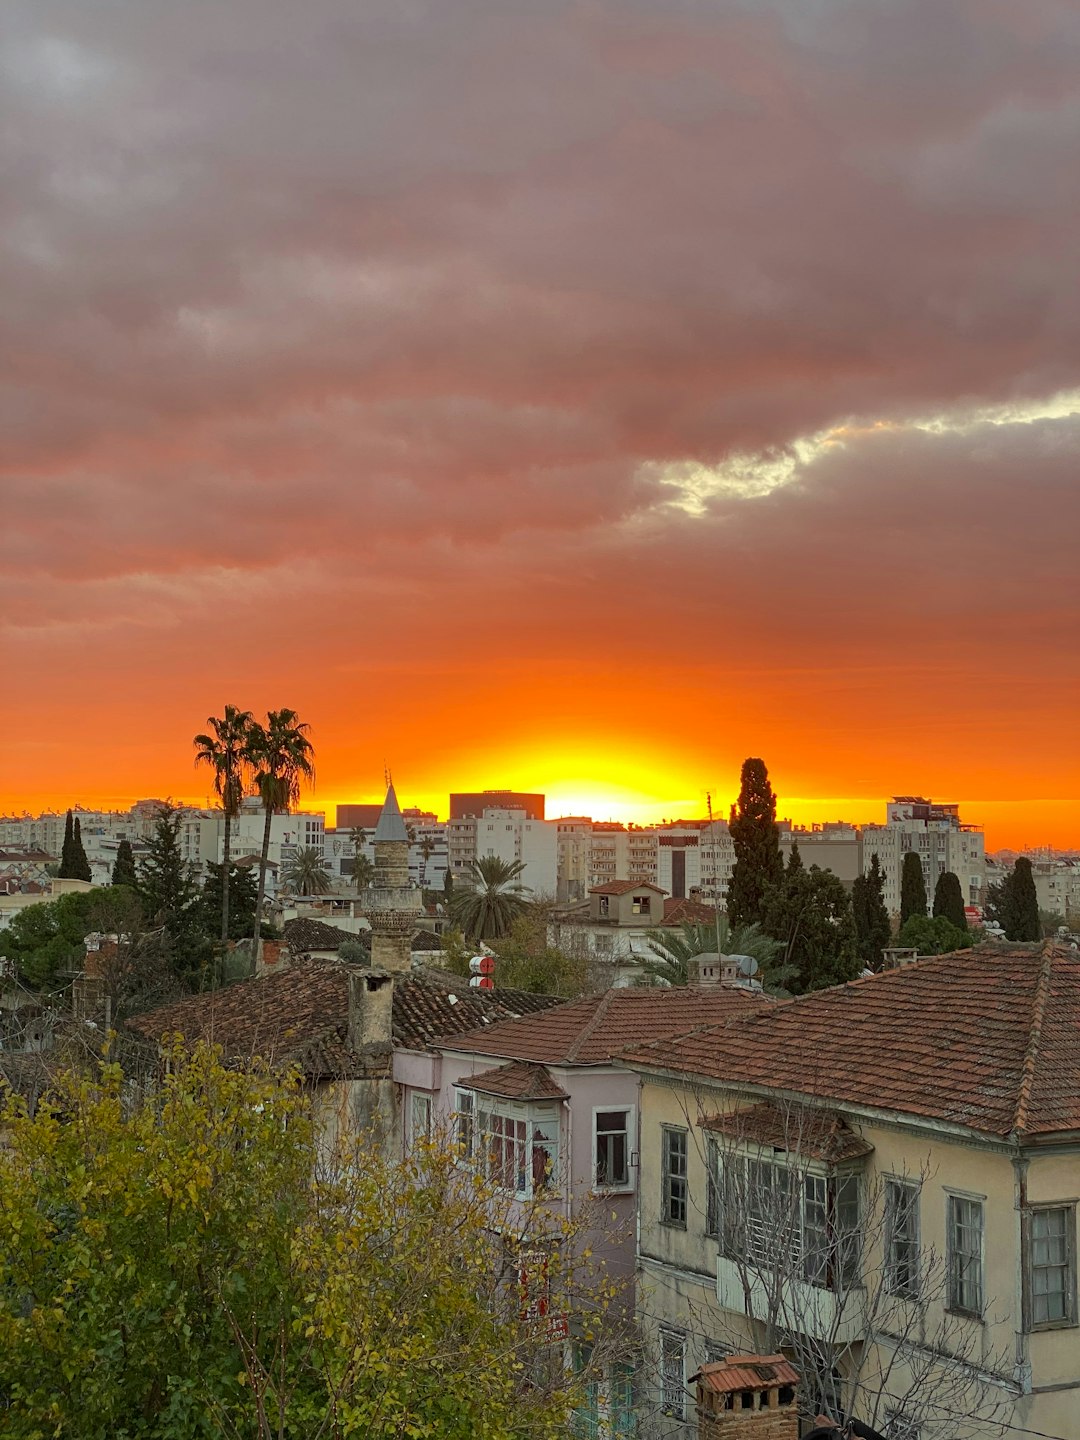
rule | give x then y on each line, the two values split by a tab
392	904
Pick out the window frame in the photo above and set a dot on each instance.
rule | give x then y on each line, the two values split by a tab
954	1301
420	1100
622	1187
675	1409
518	1145
911	1287
667	1135
825	1255
1070	1320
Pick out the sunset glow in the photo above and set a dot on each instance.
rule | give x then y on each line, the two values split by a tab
579	400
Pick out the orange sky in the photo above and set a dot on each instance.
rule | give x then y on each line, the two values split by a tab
581	398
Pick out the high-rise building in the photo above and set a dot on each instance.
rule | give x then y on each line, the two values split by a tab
936	834
473	804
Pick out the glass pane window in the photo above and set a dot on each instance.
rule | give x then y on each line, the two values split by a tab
623	1425
673	1195
1051	1266
517	1148
965	1254
902	1237
612	1148
673	1375
464	1121
420	1118
714	1180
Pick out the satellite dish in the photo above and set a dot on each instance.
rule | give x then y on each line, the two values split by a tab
746	965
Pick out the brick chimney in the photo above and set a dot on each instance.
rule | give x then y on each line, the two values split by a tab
747	1397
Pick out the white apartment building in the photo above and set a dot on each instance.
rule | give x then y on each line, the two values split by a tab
428	854
302	830
695	860
512	835
935	833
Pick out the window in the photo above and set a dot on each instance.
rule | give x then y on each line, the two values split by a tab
420	1116
713	1181
764	1208
965	1233
517	1145
623	1426
902	1238
673	1176
605	905
611	1148
673	1375
1051	1266
604	944
641	905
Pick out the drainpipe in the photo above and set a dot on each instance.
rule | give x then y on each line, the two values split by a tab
1022	1369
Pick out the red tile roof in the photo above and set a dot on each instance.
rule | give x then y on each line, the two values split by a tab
593	1030
986	1038
516	1081
814	1134
301	1015
747	1372
623	887
688	912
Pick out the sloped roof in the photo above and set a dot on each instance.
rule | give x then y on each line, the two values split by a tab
986	1038
747	1372
593	1030
517	1081
301	1015
688	912
623	887
813	1133
391	825
305	934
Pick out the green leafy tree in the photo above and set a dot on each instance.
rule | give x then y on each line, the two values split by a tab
172	899
123	871
224	750
178	1267
66	854
46	941
933	935
447	885
873	929
490	899
524	960
809	912
756	840
306	872
675	949
282	758
912	888
949	900
242	893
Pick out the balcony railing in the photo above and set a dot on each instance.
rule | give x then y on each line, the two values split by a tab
811	1309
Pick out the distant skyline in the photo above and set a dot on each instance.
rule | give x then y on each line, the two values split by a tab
530	393
1008	825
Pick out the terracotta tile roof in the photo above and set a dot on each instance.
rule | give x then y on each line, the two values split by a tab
688	912
517	1081
986	1038
623	887
305	934
814	1134
593	1030
747	1372
301	1015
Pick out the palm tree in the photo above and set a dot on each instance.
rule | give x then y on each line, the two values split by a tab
427	849
487	903
224	750
674	950
306	872
358	836
282	757
364	873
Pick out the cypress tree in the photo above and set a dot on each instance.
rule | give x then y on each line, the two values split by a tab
949	900
1023	903
80	865
879	926
66	872
912	888
123	871
755	836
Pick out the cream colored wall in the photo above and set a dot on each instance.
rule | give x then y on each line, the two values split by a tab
677	1266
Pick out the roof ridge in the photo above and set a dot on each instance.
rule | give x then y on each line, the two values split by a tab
1031	1053
600	1011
